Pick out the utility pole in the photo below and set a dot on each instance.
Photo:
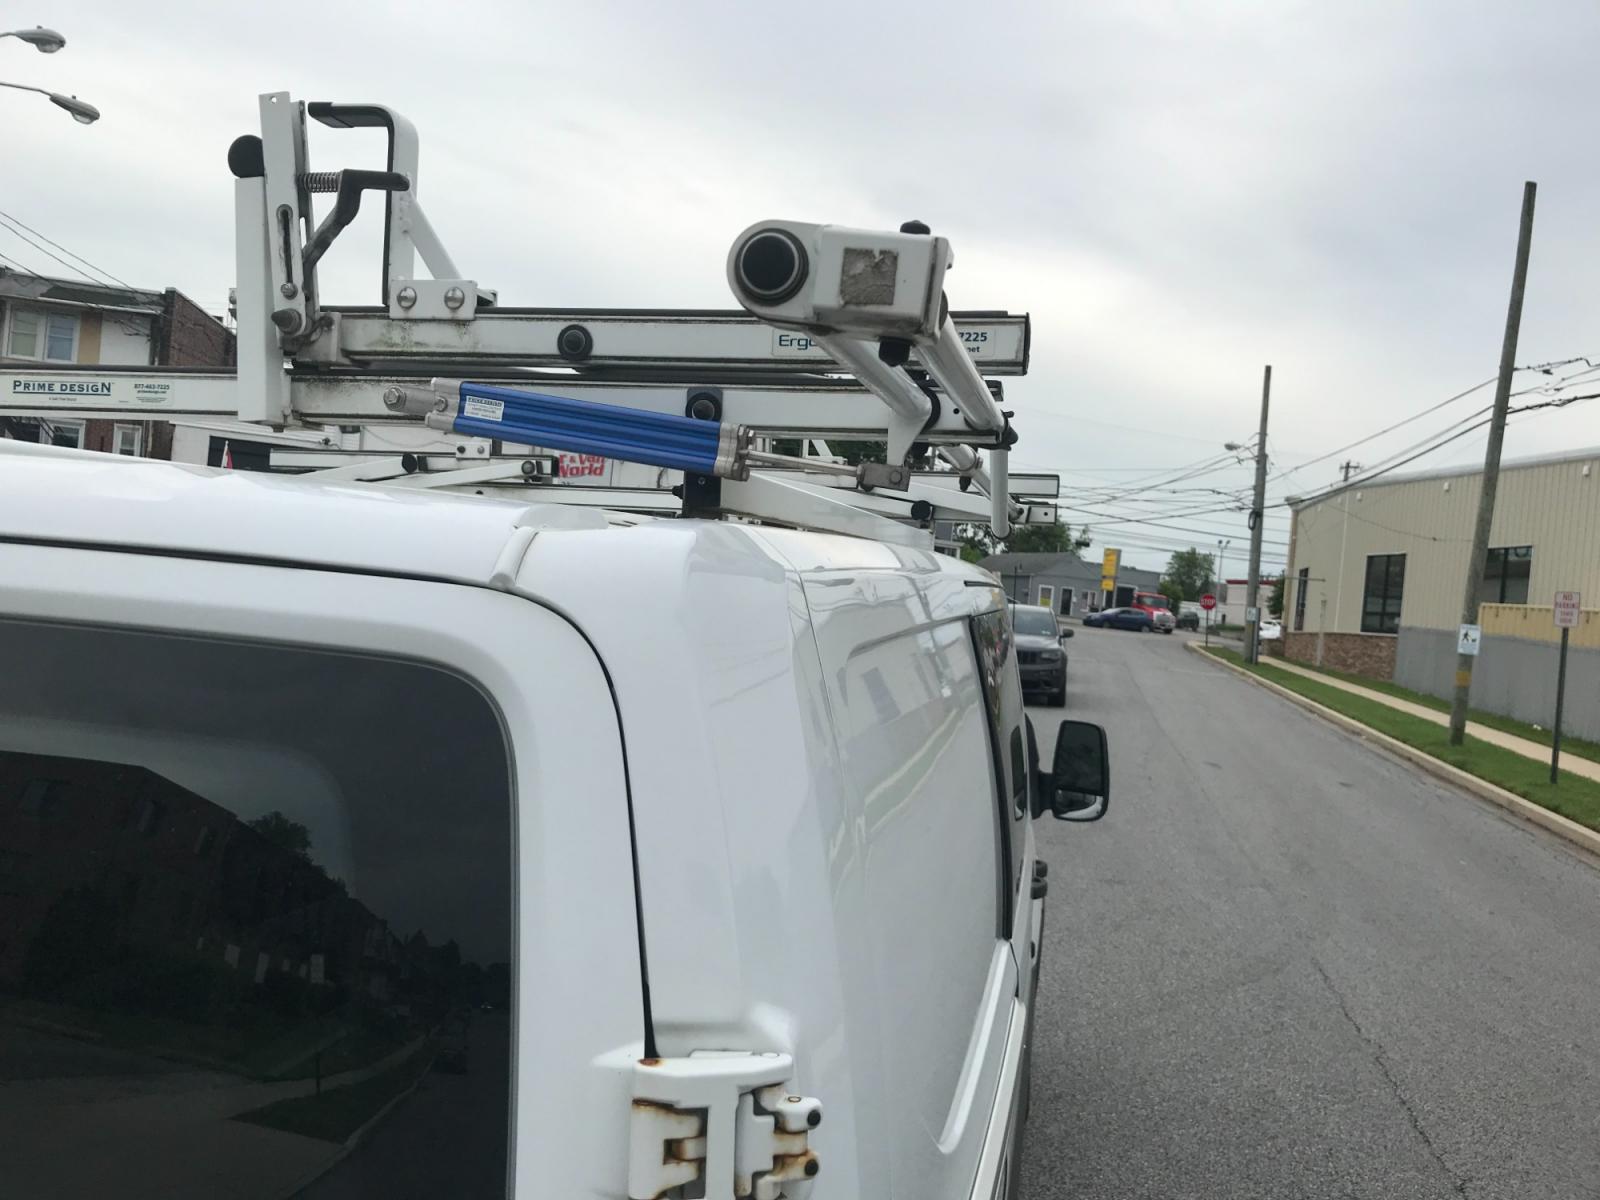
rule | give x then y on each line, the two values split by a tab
1252	597
1491	464
1221	588
1347	469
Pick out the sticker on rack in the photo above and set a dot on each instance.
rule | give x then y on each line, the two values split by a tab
484	410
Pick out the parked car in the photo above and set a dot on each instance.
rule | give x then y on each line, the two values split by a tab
1041	661
447	729
1189	620
1271	630
1136	619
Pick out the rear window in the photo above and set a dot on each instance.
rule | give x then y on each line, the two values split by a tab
1033	622
255	921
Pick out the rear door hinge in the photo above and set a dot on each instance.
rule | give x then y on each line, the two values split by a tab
724	1119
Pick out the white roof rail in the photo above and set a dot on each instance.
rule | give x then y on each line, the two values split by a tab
845	335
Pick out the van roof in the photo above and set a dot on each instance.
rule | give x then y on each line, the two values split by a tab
89	499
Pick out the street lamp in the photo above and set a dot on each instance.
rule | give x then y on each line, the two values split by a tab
82	112
45	41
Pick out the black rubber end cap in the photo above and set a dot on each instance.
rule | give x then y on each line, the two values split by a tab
245	159
915	227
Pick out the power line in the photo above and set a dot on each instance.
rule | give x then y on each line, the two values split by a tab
1093	523
1361	480
78	271
1389	429
64	250
18	265
1545	368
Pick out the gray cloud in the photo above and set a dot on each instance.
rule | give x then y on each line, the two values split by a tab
1177	193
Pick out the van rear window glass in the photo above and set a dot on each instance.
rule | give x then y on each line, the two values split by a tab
255	922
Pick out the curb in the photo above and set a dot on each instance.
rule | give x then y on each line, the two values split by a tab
1568	830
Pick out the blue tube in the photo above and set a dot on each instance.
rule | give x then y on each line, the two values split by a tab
585	427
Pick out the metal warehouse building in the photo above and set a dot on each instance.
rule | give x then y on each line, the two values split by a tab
1376	572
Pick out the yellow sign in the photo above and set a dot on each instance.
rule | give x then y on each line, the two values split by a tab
1108	569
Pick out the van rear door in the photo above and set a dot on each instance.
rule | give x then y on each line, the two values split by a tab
311	883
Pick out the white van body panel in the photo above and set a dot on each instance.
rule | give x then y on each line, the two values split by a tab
780	848
139	503
800	885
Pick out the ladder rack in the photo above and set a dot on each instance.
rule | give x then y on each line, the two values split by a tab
843	334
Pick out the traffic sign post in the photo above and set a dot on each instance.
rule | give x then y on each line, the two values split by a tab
1569	609
1208	602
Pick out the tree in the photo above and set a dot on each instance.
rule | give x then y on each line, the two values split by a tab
1275	601
283	833
1188	576
1046	539
977	542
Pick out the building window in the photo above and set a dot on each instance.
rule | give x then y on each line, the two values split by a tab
127	439
61	433
1300	582
1047	595
49	336
1380	600
1505	575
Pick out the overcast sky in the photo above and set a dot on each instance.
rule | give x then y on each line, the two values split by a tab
1177	193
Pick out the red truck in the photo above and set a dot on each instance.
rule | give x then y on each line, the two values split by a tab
1159	609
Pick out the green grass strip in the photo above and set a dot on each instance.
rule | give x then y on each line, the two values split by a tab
1580	747
1576	798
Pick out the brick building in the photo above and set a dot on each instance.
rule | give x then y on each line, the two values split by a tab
44	321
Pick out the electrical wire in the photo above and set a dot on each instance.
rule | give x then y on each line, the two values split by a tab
78	271
1388	429
64	250
1546	368
1369	476
18	265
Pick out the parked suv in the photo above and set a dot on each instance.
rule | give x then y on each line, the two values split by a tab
1040	658
1189	620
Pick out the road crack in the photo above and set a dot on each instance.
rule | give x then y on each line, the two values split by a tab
1458	1182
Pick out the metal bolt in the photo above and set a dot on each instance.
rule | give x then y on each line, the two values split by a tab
289	290
407	296
393	397
440	404
812	1167
454	298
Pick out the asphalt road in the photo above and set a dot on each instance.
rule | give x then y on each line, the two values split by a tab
1287	965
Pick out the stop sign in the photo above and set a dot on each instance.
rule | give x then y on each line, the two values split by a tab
1208	602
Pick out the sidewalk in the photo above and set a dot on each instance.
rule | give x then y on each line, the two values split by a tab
1506	741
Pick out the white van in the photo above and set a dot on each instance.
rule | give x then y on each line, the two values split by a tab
358	841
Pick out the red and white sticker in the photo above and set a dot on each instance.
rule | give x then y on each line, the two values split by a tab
579	466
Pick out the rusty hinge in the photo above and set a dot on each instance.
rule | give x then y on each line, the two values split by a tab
725	1119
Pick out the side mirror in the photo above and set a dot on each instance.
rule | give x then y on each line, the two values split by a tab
1079	786
1065	633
